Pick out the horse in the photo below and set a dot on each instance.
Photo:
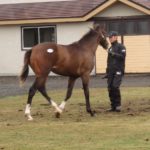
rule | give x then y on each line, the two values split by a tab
74	60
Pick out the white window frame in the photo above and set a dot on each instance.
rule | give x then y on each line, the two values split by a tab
37	27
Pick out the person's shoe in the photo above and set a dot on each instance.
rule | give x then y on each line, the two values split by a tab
110	110
114	109
118	109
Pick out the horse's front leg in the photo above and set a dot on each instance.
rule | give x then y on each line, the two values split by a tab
85	82
71	82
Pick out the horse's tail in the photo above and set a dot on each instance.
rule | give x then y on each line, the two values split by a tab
25	70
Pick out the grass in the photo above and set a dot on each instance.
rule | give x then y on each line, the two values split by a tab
76	130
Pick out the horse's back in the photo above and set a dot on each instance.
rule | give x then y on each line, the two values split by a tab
73	60
61	59
46	56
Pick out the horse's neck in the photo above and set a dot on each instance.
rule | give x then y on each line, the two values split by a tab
90	45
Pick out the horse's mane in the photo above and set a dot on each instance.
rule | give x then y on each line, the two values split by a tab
86	38
88	35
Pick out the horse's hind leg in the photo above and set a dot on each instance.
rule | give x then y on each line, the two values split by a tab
39	85
41	88
31	93
71	82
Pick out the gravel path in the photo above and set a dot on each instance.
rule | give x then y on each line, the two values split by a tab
9	86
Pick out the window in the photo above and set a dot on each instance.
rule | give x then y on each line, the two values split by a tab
115	26
30	37
129	26
35	35
143	27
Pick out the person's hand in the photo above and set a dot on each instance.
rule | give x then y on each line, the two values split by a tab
105	76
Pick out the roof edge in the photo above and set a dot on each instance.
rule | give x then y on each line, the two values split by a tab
89	15
99	9
40	21
110	2
136	6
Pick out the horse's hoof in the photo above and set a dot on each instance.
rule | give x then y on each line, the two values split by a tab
92	113
29	117
57	115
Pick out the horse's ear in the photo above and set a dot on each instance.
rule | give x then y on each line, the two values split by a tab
96	27
103	26
103	29
100	28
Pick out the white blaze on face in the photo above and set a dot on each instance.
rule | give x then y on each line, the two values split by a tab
50	50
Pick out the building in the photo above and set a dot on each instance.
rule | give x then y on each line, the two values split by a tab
23	25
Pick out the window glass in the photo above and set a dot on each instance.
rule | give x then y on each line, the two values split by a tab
143	27
30	37
47	35
115	26
35	35
130	27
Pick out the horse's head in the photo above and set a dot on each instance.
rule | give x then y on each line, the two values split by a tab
101	36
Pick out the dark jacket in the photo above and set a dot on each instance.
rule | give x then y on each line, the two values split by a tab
116	58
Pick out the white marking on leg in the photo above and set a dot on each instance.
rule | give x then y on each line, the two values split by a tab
56	107
28	112
62	105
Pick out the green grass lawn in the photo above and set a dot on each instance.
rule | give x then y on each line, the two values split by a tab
77	130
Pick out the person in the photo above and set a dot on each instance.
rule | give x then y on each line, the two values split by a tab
115	70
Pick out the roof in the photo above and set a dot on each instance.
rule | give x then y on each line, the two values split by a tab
45	10
61	11
144	3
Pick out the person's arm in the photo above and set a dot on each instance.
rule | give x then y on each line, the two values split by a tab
121	54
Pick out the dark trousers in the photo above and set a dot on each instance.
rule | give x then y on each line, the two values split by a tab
114	82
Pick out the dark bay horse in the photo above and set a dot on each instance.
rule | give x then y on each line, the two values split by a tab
74	60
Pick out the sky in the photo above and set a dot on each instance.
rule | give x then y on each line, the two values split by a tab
26	1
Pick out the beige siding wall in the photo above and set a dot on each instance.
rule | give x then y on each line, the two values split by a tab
138	55
101	59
